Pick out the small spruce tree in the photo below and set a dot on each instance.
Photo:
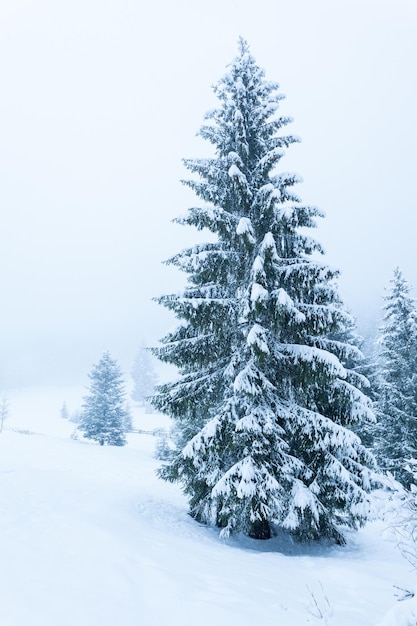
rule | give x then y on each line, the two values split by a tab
266	396
64	411
104	416
4	411
144	377
397	403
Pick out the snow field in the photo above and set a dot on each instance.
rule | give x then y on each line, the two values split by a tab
90	536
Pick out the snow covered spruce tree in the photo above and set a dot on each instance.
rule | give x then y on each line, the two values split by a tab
397	404
104	416
264	402
144	377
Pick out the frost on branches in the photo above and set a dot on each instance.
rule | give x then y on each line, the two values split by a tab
264	401
397	404
104	416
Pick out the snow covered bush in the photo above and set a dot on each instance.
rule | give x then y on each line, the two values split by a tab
401	510
104	417
266	396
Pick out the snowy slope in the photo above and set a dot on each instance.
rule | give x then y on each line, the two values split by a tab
89	536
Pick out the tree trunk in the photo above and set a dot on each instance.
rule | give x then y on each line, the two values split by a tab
260	530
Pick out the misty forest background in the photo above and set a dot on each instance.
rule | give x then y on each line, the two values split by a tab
102	103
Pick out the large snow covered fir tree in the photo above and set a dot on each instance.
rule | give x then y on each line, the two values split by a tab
264	402
104	415
397	404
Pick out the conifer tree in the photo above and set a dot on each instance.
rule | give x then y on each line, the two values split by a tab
64	411
397	404
264	402
144	377
104	416
366	371
4	411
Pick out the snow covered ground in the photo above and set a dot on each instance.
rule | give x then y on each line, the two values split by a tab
90	537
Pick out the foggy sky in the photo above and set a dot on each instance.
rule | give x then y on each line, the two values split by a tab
100	101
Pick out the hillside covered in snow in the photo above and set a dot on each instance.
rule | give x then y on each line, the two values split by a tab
90	536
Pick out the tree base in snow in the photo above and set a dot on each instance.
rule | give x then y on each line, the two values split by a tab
326	534
260	530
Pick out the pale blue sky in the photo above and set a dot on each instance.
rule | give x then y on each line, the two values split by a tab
100	102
